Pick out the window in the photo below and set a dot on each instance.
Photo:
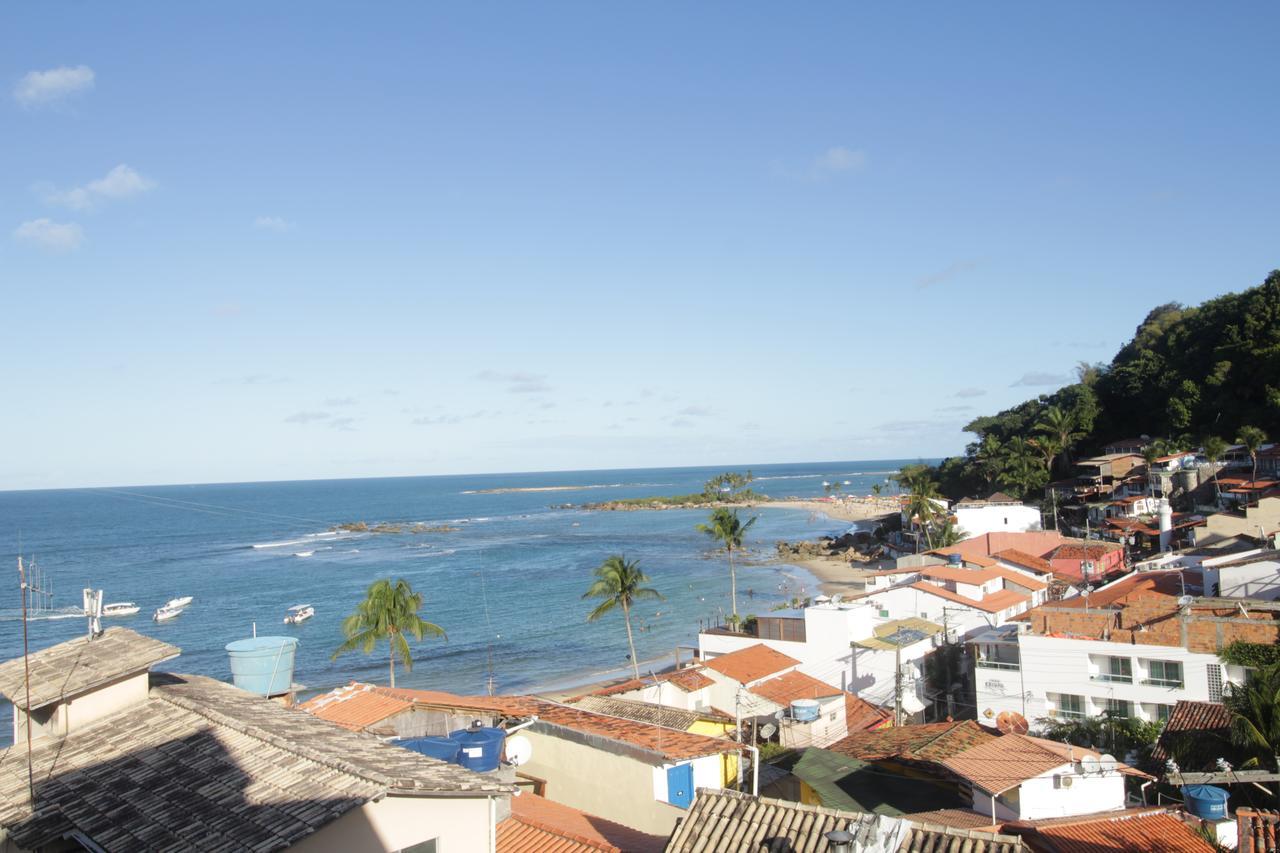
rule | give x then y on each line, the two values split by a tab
1164	673
884	614
1118	708
1115	669
1070	707
1162	713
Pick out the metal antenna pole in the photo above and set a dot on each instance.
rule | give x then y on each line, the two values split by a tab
26	670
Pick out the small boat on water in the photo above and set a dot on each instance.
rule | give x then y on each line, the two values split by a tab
164	614
299	613
303	553
178	602
120	608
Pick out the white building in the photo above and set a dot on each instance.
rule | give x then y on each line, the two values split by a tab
1255	576
998	513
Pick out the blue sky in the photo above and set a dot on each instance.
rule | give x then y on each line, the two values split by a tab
312	240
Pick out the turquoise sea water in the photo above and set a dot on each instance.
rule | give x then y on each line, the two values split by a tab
505	585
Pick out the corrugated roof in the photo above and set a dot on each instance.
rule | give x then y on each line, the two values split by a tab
1008	761
925	742
201	765
1124	833
794	685
71	668
751	664
851	784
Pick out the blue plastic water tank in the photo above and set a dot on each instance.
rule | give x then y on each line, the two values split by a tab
955	560
1206	801
435	747
263	665
479	747
805	710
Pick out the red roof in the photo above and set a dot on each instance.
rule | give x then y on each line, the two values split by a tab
976	577
1005	762
1092	551
356	706
1192	734
539	825
925	742
1025	560
1166	583
751	664
1259	831
993	603
1124	832
859	714
689	680
1035	542
786	689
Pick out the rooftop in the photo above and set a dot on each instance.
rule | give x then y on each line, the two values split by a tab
539	825
71	668
1122	832
751	664
1194	735
689	680
794	685
900	632
1008	761
925	742
641	712
993	603
843	782
356	706
200	765
1025	560
732	822
860	714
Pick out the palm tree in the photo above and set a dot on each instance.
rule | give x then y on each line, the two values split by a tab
1048	445
1062	426
989	454
1255	716
947	534
1021	471
619	582
1214	447
726	528
1252	438
389	612
923	499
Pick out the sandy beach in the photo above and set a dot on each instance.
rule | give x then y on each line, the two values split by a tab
842	509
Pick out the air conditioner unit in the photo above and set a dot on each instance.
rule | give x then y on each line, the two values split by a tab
1063	781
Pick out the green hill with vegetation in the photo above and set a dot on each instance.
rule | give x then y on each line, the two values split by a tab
1192	376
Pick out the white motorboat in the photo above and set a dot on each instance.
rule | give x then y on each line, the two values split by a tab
299	613
120	608
178	602
303	553
164	614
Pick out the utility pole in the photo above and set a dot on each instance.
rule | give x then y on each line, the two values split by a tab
897	685
737	715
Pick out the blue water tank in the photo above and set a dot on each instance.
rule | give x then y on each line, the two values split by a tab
434	747
479	747
1206	802
955	560
263	665
805	710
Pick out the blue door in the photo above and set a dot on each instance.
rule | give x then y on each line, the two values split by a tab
680	785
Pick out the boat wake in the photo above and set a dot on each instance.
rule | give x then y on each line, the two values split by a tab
61	613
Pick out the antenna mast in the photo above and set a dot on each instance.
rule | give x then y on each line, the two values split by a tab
26	680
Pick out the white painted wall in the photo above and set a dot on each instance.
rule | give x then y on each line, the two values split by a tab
1052	666
977	520
393	823
1043	796
1260	579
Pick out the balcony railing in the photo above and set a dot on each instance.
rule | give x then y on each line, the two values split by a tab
1118	679
1069	715
998	664
1164	682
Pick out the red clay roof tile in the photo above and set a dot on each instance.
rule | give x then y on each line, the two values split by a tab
751	664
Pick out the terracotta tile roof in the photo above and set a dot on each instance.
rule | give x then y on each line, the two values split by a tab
1020	579
751	664
539	825
926	742
794	685
1194	735
356	706
200	765
1035	542
1022	558
75	666
992	603
1259	831
959	818
983	560
1012	759
689	679
642	712
1092	551
938	838
977	577
733	822
860	714
1124	832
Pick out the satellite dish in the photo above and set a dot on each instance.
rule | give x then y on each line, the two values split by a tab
1107	763
1089	764
768	730
1011	722
519	750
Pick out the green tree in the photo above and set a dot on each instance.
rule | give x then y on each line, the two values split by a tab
877	488
620	583
947	534
729	486
1021	469
1062	426
989	456
1214	448
924	503
389	612
1049	446
1255	716
728	529
1252	438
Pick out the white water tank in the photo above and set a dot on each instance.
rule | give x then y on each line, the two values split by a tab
1166	524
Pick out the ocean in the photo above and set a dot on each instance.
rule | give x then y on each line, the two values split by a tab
505	581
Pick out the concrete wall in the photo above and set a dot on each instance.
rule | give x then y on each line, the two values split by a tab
607	784
1041	797
977	520
1251	580
81	711
460	825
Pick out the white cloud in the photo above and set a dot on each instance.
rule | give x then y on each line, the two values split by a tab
50	235
45	87
839	159
970	392
272	223
1036	379
695	411
120	182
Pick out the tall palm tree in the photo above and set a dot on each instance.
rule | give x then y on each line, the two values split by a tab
1214	448
923	505
1252	438
726	528
989	455
619	582
1061	425
1049	446
1255	716
1020	471
389	612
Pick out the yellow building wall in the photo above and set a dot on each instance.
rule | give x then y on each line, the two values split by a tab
716	728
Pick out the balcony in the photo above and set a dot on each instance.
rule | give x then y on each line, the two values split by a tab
1164	682
1115	679
998	664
